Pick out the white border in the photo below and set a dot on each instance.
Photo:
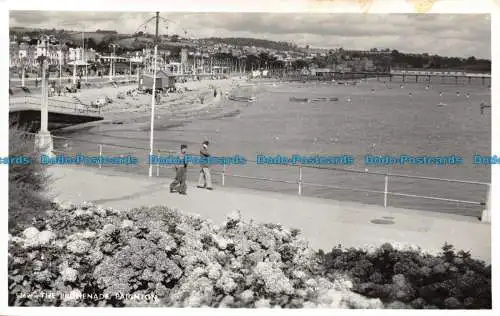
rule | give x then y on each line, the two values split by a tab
378	6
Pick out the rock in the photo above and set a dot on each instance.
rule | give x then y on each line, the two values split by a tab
30	233
78	246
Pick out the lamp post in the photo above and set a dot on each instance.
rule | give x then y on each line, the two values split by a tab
60	68
23	74
152	113
74	67
43	140
130	69
111	62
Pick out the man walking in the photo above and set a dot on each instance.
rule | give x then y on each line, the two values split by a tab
205	180
179	184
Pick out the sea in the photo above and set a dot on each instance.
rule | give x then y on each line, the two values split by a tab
374	117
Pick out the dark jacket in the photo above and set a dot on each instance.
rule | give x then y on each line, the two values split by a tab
204	155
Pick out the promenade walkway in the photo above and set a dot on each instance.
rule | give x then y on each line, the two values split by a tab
325	223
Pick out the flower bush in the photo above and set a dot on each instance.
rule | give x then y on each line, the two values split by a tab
91	256
412	279
83	255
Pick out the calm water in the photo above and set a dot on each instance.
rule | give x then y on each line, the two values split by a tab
385	121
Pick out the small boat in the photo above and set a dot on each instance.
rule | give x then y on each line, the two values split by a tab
241	99
295	99
325	99
441	104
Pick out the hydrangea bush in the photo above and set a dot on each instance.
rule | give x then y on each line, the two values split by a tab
160	257
155	256
412	279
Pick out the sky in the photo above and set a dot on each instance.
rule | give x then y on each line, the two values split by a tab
460	35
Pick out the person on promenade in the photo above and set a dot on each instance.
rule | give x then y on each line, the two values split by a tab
205	180
179	183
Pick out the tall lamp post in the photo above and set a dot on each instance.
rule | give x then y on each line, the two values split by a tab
43	140
151	136
23	71
111	63
152	112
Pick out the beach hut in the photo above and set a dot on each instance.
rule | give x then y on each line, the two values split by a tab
164	80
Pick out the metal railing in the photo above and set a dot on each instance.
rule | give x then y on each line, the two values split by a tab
75	106
300	181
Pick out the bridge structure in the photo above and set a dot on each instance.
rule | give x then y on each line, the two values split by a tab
402	75
26	111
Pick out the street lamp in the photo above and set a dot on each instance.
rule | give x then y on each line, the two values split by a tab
43	140
152	113
111	63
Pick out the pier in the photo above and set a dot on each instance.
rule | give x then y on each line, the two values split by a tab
398	76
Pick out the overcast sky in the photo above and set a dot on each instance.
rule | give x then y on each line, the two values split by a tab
460	35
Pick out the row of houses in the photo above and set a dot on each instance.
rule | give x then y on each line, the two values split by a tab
28	55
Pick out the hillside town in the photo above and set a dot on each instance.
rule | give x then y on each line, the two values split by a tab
186	56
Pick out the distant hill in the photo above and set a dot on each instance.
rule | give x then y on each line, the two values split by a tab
244	41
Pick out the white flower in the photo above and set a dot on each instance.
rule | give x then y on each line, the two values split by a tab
299	274
45	237
108	228
30	233
214	271
246	296
234	216
127	223
69	274
263	303
78	246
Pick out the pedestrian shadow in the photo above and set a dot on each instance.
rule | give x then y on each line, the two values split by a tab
148	189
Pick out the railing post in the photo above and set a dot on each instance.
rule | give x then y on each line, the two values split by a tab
300	180
385	189
100	155
223	174
486	215
158	167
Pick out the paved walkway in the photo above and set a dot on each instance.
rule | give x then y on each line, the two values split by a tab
325	223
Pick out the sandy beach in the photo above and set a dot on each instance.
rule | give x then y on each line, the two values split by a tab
195	99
